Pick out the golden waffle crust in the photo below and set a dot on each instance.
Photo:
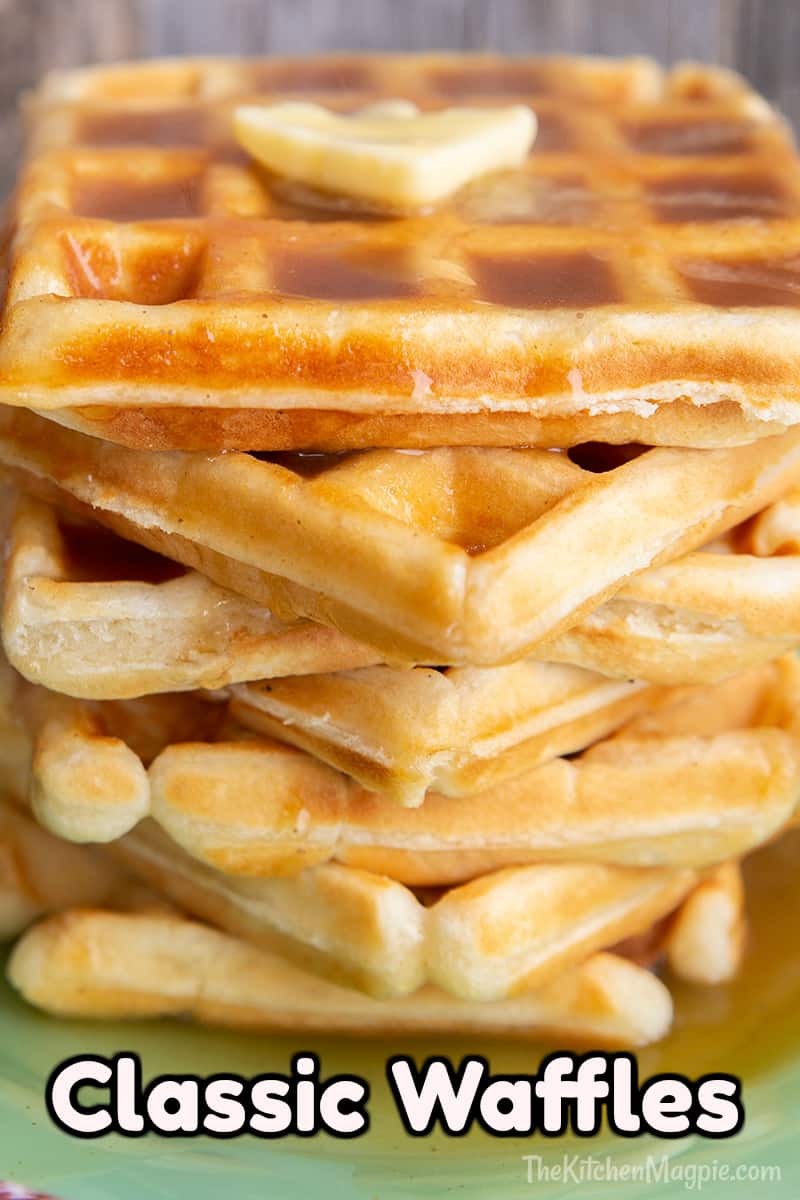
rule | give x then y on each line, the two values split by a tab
636	278
706	776
98	964
91	615
40	873
500	938
497	936
509	932
458	730
445	556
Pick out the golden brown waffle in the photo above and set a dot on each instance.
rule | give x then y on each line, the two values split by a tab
703	616
508	932
89	757
535	936
692	792
99	964
690	784
706	939
92	615
89	614
84	771
656	212
458	730
678	423
441	556
40	874
500	935
519	717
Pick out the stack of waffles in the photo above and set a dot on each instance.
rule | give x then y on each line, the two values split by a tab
399	609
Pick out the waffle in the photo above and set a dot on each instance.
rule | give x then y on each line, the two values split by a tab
40	874
85	766
543	920
508	932
691	784
94	616
531	912
87	759
457	731
704	616
642	258
442	556
706	939
503	934
701	618
91	615
94	786
102	964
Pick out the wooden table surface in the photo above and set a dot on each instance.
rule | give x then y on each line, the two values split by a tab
759	37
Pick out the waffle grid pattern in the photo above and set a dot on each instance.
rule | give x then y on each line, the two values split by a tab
603	165
646	197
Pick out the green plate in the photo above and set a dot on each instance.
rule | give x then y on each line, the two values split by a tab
751	1028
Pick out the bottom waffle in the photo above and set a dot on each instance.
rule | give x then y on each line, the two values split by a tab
715	772
415	937
94	963
497	936
99	964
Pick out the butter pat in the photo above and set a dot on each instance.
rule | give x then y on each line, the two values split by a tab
390	155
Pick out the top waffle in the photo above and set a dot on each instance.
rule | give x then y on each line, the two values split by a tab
637	279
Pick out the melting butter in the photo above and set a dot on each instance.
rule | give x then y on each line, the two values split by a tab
388	155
